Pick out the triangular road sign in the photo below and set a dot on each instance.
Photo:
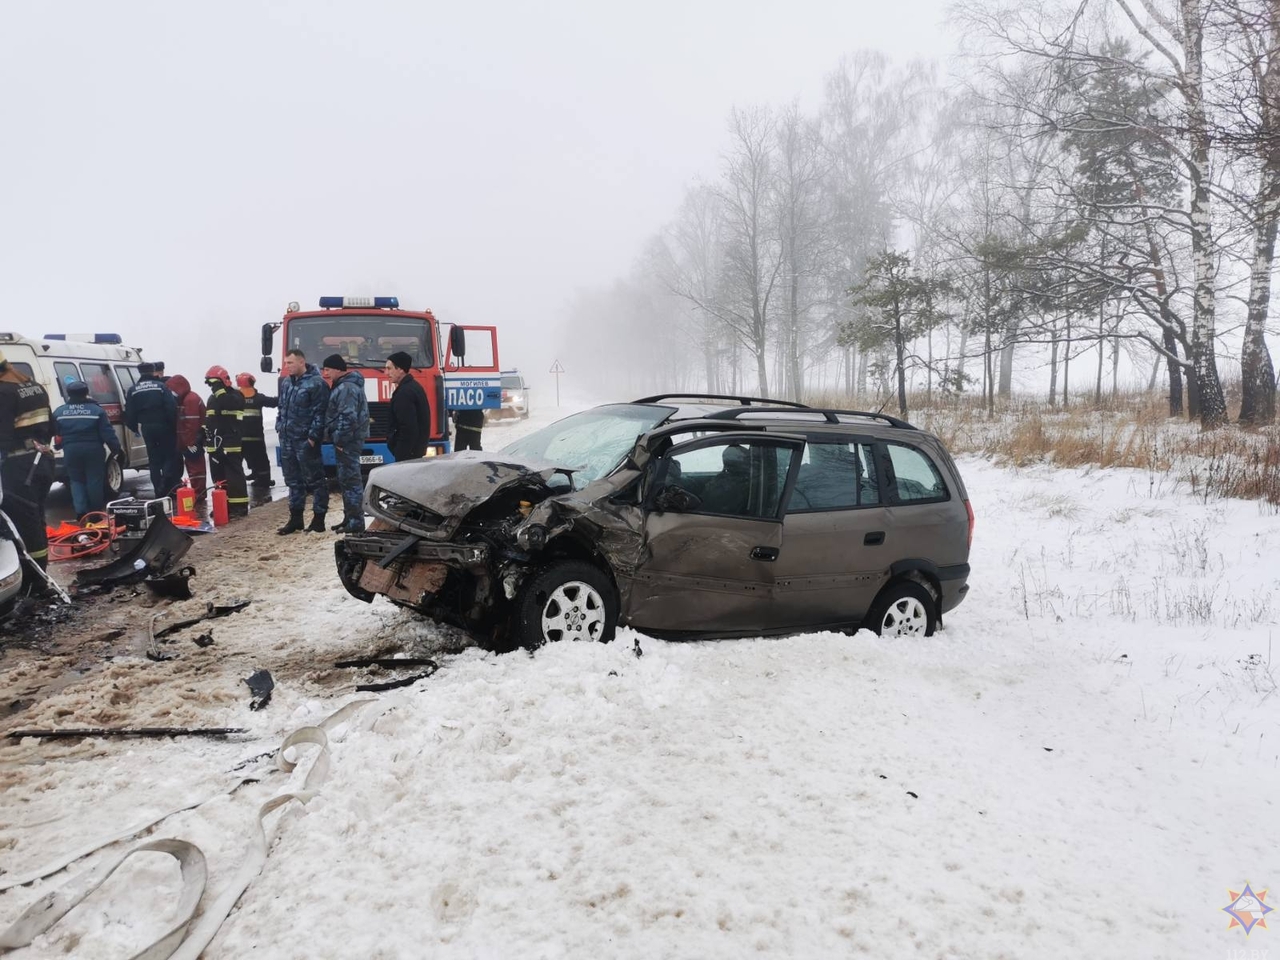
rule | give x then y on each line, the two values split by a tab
556	367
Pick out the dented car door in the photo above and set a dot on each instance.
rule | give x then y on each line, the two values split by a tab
713	532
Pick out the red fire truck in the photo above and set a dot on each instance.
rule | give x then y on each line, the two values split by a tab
457	372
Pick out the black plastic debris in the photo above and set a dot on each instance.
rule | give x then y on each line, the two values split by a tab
392	684
155	555
390	663
204	640
913	795
212	611
636	649
175	585
260	685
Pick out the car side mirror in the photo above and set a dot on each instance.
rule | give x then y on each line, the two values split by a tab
675	499
457	342
266	365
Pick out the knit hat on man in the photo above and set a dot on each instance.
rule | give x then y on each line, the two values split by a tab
401	360
146	368
334	362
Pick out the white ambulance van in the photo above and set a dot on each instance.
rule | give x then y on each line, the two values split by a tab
103	362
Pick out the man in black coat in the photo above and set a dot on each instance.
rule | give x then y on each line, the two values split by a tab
410	413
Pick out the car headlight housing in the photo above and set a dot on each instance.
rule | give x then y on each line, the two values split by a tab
402	509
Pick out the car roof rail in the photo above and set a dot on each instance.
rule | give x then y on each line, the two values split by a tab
745	401
831	416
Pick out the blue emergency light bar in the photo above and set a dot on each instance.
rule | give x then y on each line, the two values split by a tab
114	338
380	303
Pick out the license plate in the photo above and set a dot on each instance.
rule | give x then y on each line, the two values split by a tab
371	458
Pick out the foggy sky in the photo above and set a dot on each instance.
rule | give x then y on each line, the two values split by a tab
178	172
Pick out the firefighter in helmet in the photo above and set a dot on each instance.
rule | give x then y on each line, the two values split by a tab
255	442
26	464
223	429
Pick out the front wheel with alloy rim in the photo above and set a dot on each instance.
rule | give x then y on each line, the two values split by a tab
568	600
905	609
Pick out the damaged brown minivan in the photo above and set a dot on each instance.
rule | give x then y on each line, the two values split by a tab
689	516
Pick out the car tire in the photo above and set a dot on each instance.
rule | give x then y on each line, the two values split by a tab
114	478
567	600
903	609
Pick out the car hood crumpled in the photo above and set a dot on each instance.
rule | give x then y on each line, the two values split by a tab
452	486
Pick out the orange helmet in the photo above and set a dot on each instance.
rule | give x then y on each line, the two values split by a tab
218	373
245	380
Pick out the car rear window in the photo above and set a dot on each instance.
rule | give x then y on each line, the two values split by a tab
914	478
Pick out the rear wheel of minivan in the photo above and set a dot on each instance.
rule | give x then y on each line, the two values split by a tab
114	478
567	600
904	609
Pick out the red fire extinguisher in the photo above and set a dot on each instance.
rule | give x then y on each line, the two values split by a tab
185	502
221	517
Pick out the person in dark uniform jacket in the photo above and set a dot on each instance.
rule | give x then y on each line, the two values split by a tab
26	464
410	425
150	408
223	433
255	441
347	424
84	429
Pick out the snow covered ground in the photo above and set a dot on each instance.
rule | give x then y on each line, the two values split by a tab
1082	764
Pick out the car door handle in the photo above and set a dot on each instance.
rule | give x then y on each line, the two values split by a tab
874	538
765	553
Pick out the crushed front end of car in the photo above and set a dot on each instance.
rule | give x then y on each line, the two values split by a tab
454	538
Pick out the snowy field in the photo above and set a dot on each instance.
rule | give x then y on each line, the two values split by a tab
1082	764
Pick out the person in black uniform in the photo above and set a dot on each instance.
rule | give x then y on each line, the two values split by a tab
151	409
467	425
85	430
224	430
26	464
255	441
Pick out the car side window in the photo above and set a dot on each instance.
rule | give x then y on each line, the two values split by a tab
914	478
101	386
23	368
65	372
835	475
127	377
733	478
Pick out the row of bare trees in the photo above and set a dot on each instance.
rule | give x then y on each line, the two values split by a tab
1101	176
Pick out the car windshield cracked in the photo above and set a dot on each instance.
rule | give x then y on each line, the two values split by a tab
592	442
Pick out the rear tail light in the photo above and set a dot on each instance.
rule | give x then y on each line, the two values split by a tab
969	510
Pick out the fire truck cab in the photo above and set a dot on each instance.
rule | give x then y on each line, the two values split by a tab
365	331
103	362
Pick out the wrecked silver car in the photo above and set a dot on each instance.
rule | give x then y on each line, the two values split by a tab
688	516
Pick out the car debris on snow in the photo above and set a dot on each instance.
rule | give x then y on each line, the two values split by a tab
260	685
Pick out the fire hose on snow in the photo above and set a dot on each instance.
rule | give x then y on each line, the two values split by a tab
189	935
